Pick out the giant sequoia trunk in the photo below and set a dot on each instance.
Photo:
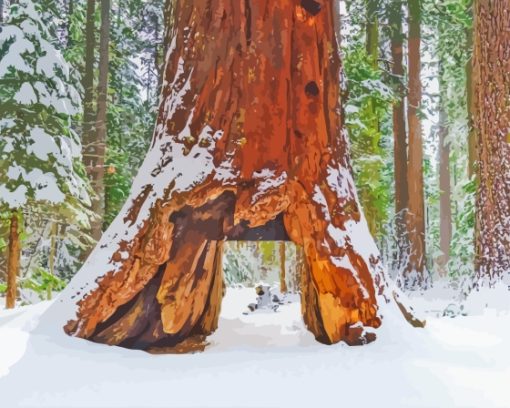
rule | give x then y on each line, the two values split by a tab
249	144
492	117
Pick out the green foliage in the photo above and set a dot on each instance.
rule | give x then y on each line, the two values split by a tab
43	283
368	115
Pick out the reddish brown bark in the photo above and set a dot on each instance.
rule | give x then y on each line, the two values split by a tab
249	131
445	209
13	262
399	133
283	280
416	205
492	115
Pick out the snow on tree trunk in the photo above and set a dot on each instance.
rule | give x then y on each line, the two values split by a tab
492	116
249	129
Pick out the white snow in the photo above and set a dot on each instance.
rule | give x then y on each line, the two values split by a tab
26	95
264	359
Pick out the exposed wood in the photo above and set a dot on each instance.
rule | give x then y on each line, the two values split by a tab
13	261
415	273
491	74
251	108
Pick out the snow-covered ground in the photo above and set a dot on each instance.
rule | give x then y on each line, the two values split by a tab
268	359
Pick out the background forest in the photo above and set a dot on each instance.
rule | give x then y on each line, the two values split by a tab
87	122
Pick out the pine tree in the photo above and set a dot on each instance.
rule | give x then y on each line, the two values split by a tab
39	151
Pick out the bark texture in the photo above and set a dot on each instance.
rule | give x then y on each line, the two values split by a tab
416	206
13	261
89	116
445	209
283	278
492	116
399	133
249	129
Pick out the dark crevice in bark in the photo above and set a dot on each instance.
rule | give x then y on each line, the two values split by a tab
311	6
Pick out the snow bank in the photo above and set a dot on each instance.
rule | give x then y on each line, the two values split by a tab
262	360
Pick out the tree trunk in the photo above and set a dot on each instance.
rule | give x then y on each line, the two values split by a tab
470	108
399	135
372	31
416	208
249	131
98	203
283	280
372	47
492	115
89	132
1	11
52	255
13	261
445	209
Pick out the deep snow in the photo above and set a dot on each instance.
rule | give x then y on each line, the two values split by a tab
268	359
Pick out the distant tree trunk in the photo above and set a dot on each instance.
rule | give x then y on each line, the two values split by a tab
70	12
372	31
1	11
470	108
372	47
283	278
491	75
445	209
249	130
13	261
89	115
416	208
52	255
399	133
98	204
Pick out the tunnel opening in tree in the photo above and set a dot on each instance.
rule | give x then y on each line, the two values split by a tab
240	151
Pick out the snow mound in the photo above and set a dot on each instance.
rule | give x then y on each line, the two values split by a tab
262	360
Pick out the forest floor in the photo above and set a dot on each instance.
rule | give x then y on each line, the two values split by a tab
268	359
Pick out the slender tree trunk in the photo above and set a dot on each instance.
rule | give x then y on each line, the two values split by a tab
89	115
52	255
416	208
372	47
372	31
470	108
399	134
445	209
491	75
1	11
283	278
98	205
70	12
251	109
13	261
